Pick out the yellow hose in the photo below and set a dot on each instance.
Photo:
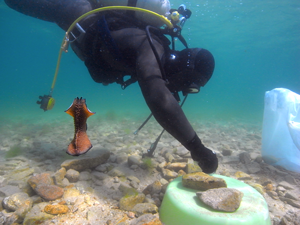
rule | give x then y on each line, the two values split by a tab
65	42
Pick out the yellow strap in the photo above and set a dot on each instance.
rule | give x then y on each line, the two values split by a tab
65	42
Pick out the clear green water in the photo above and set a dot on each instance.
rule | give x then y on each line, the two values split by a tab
255	44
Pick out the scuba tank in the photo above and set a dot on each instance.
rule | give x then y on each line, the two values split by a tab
161	7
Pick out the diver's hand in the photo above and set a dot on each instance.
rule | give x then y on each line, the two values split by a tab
206	159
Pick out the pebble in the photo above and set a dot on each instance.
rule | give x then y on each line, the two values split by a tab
72	175
85	176
143	208
222	199
9	190
226	152
133	160
99	176
58	176
49	192
14	201
146	219
116	172
153	188
202	181
56	209
168	174
70	195
122	157
169	157
128	202
89	161
21	174
176	166
242	176
253	167
245	158
192	168
24	208
273	195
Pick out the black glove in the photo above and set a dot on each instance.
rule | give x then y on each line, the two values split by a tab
206	158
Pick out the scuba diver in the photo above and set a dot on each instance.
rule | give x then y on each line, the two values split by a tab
114	44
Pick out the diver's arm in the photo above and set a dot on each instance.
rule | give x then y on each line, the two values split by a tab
166	109
61	12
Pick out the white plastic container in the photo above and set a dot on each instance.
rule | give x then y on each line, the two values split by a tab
281	129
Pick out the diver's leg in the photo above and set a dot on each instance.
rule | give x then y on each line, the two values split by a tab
61	12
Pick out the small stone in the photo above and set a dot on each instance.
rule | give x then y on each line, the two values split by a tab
273	195
222	199
169	157
245	158
143	208
153	188
202	181
127	190
192	168
226	152
43	178
49	192
122	157
19	175
182	151
131	215
291	196
90	161
70	195
116	172
101	168
14	201
72	175
176	166
181	173
253	167
9	190
133	178
168	174
24	209
128	202
112	158
286	185
99	176
85	176
257	187
133	160
56	209
242	176
59	176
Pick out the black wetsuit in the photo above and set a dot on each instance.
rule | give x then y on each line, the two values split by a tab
128	54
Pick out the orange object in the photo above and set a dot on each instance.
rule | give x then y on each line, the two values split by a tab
80	143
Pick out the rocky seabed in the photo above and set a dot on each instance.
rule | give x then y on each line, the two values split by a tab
114	184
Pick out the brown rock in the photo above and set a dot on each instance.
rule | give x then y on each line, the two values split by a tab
242	176
56	209
153	188
43	178
202	181
128	202
168	174
176	166
222	199
49	192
